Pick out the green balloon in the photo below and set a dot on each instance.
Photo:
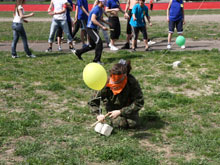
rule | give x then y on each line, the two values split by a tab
180	41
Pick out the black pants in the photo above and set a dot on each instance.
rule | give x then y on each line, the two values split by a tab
128	22
76	27
115	26
95	42
136	30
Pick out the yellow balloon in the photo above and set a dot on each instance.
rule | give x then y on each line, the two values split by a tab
94	76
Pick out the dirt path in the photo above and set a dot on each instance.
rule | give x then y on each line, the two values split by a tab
159	45
189	18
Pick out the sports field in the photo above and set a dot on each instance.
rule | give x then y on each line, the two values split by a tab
44	117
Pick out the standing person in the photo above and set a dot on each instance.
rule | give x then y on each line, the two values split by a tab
175	18
59	20
83	13
151	5
113	7
137	22
95	41
18	29
76	22
122	97
69	23
104	32
130	4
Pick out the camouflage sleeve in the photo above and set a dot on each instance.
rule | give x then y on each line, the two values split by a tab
94	103
136	97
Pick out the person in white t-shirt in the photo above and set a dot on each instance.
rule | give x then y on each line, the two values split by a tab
59	20
18	29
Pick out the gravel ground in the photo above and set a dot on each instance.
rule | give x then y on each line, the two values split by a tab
189	18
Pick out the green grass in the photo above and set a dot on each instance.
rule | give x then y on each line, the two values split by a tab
158	30
44	117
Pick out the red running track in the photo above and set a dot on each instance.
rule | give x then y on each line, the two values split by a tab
157	6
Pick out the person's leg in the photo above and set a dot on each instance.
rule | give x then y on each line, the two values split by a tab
65	28
69	23
179	28
15	41
99	46
83	33
128	31
135	31
76	28
144	32
24	40
89	47
171	30
59	36
132	121
105	34
53	29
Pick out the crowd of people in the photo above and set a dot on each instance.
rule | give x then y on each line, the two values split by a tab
91	21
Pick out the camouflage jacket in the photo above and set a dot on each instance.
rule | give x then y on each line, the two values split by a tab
129	101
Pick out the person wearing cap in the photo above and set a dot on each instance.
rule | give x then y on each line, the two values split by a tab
95	41
122	97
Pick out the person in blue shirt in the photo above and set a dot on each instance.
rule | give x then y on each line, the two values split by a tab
137	23
113	7
82	16
175	18
95	41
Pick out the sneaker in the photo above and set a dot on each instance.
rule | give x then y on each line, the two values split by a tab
133	50
138	41
151	42
113	48
77	54
15	56
168	46
183	47
31	56
48	50
60	49
126	46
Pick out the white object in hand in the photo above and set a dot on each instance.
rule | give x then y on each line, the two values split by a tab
176	64
103	129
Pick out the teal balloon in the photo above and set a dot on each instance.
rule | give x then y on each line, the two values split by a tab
180	41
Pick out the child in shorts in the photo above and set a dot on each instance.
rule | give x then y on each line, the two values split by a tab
137	23
175	18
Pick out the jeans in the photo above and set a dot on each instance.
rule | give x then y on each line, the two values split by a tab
54	26
18	30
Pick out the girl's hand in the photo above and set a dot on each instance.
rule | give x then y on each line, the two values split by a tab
150	24
26	21
114	114
168	20
134	18
104	28
31	14
100	118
